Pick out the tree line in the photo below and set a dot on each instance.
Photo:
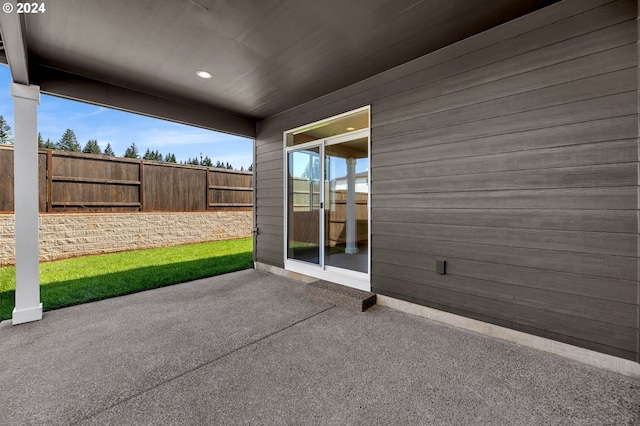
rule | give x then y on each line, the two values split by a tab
69	142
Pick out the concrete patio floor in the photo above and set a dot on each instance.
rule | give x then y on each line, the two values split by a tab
255	348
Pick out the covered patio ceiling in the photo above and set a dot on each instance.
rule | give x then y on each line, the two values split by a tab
265	56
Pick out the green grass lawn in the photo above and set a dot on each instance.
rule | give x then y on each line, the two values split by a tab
89	278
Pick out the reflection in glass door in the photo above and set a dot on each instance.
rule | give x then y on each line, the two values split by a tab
304	184
346	221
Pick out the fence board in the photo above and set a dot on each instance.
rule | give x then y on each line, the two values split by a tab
6	177
230	190
42	181
306	203
49	182
188	194
71	181
83	182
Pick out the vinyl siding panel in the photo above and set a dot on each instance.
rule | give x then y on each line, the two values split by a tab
567	329
623	221
269	200
512	155
603	266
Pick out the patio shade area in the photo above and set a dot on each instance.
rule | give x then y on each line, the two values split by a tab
251	347
475	158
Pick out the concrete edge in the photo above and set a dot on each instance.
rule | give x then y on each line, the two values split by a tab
283	273
585	356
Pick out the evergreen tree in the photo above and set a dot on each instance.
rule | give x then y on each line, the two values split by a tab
170	158
242	168
229	166
250	169
132	151
49	145
68	142
92	147
5	132
206	162
152	155
312	170
41	142
108	151
219	165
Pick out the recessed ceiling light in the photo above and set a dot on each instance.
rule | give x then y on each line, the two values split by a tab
204	74
351	128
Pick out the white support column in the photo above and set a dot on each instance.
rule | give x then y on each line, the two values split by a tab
25	161
352	225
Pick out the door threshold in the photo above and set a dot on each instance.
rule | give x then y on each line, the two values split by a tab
357	280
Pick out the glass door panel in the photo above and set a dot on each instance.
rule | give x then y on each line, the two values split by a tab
304	186
346	213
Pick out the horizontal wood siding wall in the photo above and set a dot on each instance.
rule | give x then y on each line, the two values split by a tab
269	204
512	155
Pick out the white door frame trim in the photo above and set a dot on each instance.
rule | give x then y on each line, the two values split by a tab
354	279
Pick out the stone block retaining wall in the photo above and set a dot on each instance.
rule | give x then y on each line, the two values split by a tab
77	234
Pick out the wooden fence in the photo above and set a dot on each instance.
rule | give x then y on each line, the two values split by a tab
306	204
78	182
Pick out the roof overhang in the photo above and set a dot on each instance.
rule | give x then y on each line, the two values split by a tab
265	57
13	43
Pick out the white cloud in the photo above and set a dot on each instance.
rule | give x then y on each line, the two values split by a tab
159	137
98	110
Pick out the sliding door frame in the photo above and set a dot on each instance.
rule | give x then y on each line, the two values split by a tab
355	279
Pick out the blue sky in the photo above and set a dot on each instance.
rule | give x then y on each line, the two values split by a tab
120	129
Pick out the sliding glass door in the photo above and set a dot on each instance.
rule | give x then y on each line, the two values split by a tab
346	224
327	200
303	171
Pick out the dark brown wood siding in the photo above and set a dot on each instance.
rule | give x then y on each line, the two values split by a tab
512	155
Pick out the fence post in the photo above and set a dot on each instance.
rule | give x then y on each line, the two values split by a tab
49	181
206	188
141	188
